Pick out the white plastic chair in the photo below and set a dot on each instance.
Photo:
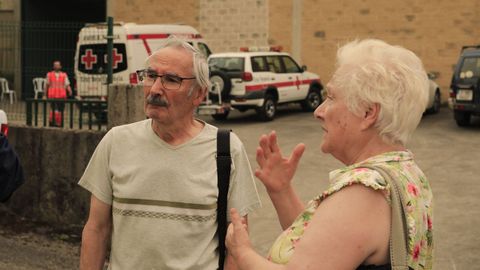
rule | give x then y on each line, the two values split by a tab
39	85
7	91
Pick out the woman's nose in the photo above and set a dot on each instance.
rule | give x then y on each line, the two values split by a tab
318	113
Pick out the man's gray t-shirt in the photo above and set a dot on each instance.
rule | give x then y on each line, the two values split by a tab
164	197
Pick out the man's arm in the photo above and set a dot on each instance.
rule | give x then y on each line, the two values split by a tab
96	235
67	86
11	172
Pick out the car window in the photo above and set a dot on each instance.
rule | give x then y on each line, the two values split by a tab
204	49
259	64
226	63
470	68
274	64
290	65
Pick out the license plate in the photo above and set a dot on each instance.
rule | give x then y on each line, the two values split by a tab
207	111
463	94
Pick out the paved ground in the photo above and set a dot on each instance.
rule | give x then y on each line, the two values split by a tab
450	157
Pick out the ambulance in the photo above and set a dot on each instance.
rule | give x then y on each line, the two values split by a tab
132	44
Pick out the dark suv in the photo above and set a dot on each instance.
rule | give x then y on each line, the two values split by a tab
465	86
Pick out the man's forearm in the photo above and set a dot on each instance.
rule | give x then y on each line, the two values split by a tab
288	206
94	249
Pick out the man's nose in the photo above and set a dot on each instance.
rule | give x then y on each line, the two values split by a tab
157	87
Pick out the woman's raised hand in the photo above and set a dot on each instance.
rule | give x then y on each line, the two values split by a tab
276	172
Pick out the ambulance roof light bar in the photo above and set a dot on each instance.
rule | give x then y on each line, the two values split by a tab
261	49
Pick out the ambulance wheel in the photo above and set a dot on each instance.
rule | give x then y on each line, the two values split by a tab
312	101
269	108
220	81
221	116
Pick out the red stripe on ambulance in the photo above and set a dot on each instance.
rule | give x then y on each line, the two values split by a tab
257	87
144	38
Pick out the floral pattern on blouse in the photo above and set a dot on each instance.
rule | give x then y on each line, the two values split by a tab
416	192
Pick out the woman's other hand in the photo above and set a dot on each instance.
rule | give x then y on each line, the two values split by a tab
237	235
276	171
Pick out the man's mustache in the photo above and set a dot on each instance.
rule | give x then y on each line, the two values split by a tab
157	100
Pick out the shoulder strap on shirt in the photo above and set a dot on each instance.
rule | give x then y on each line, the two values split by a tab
398	228
224	161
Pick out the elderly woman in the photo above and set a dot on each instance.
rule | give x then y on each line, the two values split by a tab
374	102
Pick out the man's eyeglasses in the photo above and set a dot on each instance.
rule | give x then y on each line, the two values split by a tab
169	81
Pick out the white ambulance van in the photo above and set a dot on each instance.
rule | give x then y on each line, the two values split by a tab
133	43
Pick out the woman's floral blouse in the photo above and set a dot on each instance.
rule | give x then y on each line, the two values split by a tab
417	194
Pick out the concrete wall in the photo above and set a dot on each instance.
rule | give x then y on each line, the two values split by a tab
53	162
125	105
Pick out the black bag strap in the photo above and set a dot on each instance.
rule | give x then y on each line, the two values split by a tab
224	161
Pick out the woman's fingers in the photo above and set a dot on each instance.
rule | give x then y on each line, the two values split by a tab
237	221
272	139
264	145
297	154
260	157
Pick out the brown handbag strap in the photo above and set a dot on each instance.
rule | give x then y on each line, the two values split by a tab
398	227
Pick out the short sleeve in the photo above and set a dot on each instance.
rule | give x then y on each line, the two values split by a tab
97	177
242	193
363	176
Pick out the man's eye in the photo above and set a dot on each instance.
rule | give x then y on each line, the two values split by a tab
151	76
172	79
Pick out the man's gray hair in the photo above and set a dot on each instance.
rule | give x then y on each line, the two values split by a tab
374	72
200	65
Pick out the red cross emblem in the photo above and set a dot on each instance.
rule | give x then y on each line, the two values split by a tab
117	58
88	59
297	83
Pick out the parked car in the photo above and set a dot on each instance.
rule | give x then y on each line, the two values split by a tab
465	85
3	122
435	97
261	79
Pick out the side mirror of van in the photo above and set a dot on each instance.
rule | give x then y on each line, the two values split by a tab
304	68
431	75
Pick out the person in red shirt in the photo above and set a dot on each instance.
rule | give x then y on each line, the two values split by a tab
57	87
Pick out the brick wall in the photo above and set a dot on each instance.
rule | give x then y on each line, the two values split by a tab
156	12
434	29
229	24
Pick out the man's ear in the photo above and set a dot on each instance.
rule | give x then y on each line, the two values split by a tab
198	96
370	116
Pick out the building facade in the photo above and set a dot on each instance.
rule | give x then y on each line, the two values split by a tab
312	30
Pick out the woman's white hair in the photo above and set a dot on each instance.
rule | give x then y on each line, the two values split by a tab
200	65
371	71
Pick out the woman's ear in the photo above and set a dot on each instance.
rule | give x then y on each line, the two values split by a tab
370	116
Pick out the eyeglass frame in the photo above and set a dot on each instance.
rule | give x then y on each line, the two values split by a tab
155	75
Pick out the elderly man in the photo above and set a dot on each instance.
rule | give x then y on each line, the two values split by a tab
154	182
